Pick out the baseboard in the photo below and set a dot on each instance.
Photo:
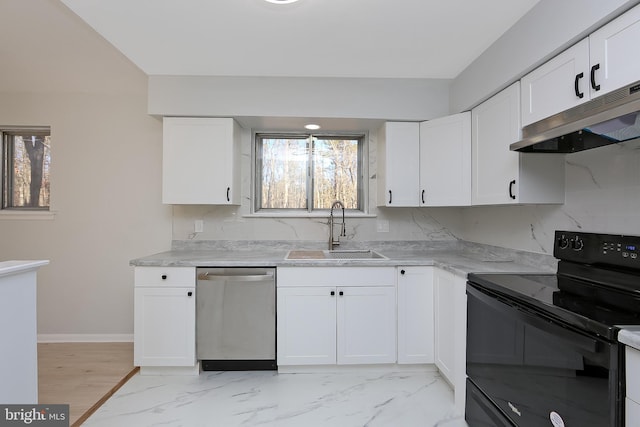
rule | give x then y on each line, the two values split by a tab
52	338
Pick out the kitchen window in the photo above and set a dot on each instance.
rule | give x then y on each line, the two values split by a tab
26	162
304	173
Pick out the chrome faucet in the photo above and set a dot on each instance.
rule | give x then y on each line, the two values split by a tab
343	232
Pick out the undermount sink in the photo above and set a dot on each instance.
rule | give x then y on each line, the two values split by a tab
336	254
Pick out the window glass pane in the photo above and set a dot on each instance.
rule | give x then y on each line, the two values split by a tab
284	173
335	173
27	171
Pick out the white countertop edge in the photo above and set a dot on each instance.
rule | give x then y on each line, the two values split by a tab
17	266
630	335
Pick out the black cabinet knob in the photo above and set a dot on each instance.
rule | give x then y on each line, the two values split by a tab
164	277
402	272
189	293
333	293
340	293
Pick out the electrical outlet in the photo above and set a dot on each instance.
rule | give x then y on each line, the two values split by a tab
198	226
382	226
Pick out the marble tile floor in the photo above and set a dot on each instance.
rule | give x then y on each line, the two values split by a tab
268	398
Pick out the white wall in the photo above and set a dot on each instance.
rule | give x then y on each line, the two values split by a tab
106	159
389	99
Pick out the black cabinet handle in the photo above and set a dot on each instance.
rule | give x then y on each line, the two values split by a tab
189	293
228	190
402	272
390	197
593	77
576	86
333	293
511	184
164	277
422	196
341	293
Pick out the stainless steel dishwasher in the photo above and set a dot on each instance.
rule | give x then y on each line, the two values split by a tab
236	318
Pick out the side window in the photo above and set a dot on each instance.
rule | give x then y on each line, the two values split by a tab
26	163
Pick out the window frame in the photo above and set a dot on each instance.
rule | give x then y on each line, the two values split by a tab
7	150
309	211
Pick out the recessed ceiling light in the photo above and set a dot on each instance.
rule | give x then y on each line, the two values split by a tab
312	126
281	1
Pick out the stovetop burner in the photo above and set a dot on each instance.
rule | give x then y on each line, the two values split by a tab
596	288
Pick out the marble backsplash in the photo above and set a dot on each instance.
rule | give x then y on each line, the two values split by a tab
602	188
238	223
602	195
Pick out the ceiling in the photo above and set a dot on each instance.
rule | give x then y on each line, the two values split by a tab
310	38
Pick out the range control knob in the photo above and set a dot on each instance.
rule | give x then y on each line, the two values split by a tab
577	244
563	242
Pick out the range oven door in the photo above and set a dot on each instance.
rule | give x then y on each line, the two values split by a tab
538	372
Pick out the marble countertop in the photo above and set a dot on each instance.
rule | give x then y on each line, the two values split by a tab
13	267
458	258
630	336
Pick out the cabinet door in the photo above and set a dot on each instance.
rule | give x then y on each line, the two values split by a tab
496	125
398	164
200	162
557	85
164	326
445	161
613	48
366	325
451	331
415	315
306	325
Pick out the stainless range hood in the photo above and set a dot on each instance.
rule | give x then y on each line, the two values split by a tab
608	119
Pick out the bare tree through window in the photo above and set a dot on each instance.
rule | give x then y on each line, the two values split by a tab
26	169
303	171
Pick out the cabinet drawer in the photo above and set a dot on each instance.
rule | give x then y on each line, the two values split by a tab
633	373
165	276
336	276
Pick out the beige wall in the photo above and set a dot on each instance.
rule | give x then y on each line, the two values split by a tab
106	168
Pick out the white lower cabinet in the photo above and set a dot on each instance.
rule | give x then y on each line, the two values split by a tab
306	325
415	315
343	315
164	317
366	325
451	331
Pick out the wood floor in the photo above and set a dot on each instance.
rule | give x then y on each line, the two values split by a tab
83	375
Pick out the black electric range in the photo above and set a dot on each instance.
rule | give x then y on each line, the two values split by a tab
596	288
542	349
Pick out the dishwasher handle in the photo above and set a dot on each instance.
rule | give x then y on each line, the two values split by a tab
235	278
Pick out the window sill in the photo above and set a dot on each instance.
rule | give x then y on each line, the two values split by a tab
308	215
27	215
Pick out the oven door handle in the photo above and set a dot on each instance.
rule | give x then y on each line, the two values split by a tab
537	320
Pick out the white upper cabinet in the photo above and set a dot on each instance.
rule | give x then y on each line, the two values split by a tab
415	315
599	64
557	85
201	161
613	53
501	176
445	161
398	173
